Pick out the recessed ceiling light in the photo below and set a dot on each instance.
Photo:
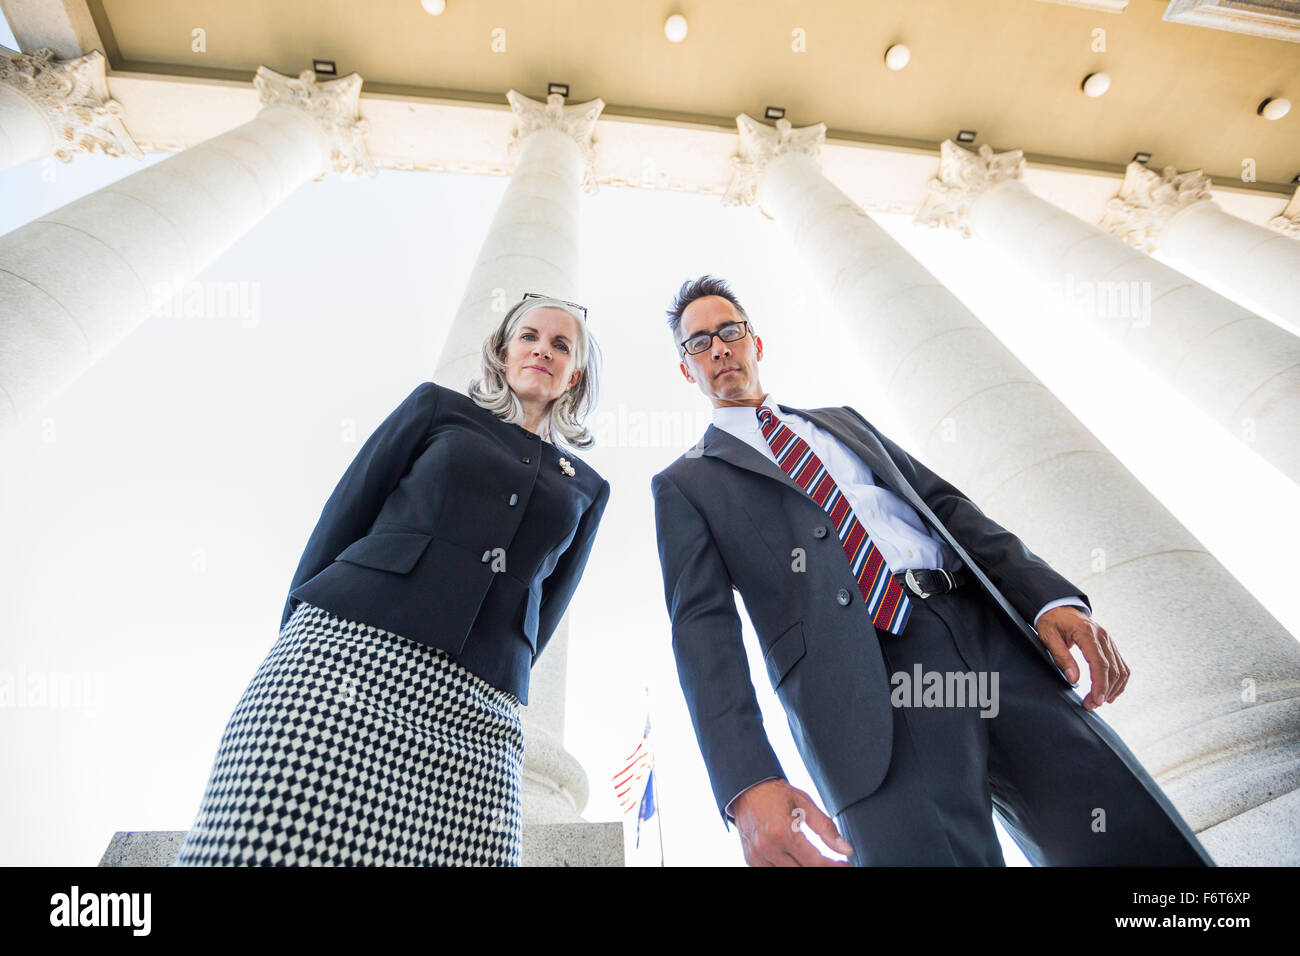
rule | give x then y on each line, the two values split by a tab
966	136
1142	158
324	67
774	113
1095	84
675	28
1274	109
897	56
434	7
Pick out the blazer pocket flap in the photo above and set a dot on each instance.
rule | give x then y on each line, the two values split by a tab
387	550
784	653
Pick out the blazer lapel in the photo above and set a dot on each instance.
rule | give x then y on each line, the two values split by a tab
719	443
859	439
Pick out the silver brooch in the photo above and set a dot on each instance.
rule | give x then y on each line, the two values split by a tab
566	467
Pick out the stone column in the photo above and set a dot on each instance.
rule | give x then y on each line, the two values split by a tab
76	281
1242	370
1227	752
1174	213
533	246
58	107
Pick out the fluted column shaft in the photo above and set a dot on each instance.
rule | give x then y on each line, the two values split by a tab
1259	265
1191	633
1175	214
533	246
1239	368
77	280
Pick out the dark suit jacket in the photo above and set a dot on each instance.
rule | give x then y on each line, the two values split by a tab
456	529
728	517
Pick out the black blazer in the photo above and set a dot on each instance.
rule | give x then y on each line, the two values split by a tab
728	517
456	529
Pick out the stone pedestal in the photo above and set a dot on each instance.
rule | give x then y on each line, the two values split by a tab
553	844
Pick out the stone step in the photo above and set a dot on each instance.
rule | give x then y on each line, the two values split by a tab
545	844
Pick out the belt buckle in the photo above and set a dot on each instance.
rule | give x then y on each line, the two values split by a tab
914	585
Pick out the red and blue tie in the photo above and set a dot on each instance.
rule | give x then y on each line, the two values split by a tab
887	599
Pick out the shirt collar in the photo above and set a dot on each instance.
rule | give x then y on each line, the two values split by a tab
733	418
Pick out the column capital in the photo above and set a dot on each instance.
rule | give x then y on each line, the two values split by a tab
1288	223
72	96
759	145
1148	200
963	177
334	106
577	121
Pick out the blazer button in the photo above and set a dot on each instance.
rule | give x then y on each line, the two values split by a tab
514	500
487	556
525	459
819	531
842	596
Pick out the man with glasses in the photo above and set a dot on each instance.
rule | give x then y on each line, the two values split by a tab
865	576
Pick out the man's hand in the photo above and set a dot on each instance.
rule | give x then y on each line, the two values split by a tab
768	816
1064	626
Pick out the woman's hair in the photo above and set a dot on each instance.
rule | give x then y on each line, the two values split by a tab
564	424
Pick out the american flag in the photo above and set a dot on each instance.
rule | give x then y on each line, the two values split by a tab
630	781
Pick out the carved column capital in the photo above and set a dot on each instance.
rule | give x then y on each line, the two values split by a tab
577	121
334	106
759	145
1148	200
1288	223
963	177
73	97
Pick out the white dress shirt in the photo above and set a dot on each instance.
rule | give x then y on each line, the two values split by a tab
904	539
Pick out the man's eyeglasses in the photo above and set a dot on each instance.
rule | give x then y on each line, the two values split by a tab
538	295
731	332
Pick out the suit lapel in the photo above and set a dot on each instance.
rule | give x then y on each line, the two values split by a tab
719	443
862	443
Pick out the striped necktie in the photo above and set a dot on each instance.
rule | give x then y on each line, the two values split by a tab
887	599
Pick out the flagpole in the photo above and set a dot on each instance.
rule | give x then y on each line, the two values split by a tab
659	811
654	781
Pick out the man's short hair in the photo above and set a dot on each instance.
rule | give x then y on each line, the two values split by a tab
693	289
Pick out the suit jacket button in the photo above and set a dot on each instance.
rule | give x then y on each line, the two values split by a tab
487	556
514	500
842	596
525	459
819	531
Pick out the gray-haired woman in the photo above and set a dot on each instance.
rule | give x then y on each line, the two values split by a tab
383	727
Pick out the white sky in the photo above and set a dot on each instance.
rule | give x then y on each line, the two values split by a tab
155	511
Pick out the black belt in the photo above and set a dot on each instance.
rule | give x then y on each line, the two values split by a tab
927	582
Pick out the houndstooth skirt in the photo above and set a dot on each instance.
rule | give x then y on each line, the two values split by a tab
354	746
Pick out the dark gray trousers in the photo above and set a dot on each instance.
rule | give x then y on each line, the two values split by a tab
1064	785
